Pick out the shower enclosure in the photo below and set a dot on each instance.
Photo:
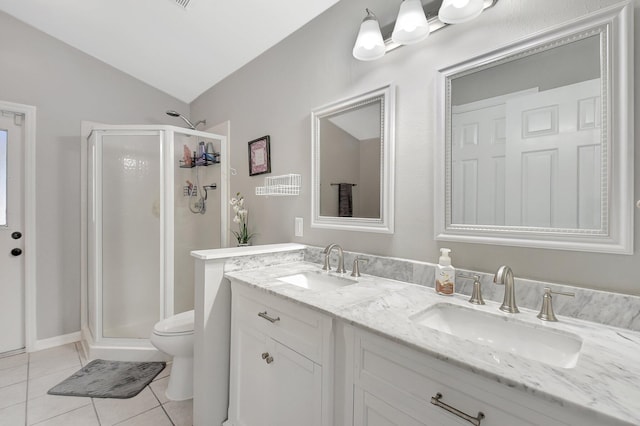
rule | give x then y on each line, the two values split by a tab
147	207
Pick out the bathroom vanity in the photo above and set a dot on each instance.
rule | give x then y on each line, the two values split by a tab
281	363
364	353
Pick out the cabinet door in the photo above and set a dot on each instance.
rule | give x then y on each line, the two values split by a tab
296	389
252	389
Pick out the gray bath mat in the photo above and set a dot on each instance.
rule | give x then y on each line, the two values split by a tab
109	379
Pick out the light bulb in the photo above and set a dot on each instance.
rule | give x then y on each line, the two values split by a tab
412	25
459	4
458	11
369	43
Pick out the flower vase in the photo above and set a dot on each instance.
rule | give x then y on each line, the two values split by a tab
244	244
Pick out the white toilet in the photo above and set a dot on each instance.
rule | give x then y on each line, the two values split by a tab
174	336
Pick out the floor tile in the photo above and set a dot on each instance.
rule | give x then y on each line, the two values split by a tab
47	406
13	394
12	416
164	373
40	385
13	361
181	412
112	411
83	416
44	366
13	375
159	388
83	359
58	351
154	417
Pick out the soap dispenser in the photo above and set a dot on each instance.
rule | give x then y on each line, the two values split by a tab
445	274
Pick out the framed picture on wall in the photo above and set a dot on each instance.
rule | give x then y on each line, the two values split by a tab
259	156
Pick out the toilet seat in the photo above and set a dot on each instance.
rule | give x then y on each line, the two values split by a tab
179	324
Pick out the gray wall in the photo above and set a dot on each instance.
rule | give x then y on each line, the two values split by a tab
66	86
275	93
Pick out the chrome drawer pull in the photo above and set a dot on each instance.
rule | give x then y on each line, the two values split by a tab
267	317
435	400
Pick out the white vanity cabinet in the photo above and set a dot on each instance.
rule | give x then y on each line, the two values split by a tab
281	362
394	385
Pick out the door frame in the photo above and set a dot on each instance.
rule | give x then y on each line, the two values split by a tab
29	172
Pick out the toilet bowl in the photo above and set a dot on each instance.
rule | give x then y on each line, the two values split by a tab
174	336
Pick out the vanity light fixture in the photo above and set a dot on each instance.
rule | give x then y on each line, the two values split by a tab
369	44
458	11
414	23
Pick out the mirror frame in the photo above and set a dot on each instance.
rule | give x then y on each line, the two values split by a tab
614	25
385	223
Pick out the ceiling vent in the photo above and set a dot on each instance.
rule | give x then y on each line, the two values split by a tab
183	3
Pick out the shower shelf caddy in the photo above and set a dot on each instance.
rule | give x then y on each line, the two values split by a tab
280	185
197	164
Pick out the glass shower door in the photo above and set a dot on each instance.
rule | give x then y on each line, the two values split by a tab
131	233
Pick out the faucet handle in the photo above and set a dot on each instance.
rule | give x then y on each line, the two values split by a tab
476	294
356	266
326	252
546	311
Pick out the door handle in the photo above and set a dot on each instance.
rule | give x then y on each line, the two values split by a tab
16	252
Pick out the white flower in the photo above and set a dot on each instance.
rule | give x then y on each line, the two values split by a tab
241	202
236	219
234	201
243	213
236	208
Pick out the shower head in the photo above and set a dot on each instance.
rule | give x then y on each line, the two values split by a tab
192	126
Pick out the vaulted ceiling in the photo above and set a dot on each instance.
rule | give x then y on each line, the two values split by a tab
181	51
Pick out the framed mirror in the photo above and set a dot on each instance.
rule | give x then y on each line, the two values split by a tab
537	140
352	162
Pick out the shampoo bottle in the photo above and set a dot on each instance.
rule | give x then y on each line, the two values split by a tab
445	274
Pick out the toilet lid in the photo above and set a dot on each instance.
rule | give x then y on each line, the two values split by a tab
179	323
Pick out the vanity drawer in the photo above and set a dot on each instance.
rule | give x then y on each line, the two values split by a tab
297	327
408	380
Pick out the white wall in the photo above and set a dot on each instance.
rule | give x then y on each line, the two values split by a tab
275	93
340	153
66	86
193	231
369	189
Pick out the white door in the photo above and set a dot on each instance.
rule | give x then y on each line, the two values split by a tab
12	328
553	159
296	386
478	144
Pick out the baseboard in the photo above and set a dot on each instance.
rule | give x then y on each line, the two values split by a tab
52	342
141	352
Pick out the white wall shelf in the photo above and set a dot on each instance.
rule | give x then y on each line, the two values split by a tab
280	185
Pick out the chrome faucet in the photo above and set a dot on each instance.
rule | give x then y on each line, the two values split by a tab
327	254
504	276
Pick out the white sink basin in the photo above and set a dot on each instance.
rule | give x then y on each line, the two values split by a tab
553	347
317	280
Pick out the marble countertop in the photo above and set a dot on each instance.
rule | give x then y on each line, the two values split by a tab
605	379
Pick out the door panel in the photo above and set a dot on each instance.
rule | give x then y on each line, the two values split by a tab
12	328
553	168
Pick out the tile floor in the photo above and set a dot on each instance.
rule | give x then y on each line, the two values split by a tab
26	378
